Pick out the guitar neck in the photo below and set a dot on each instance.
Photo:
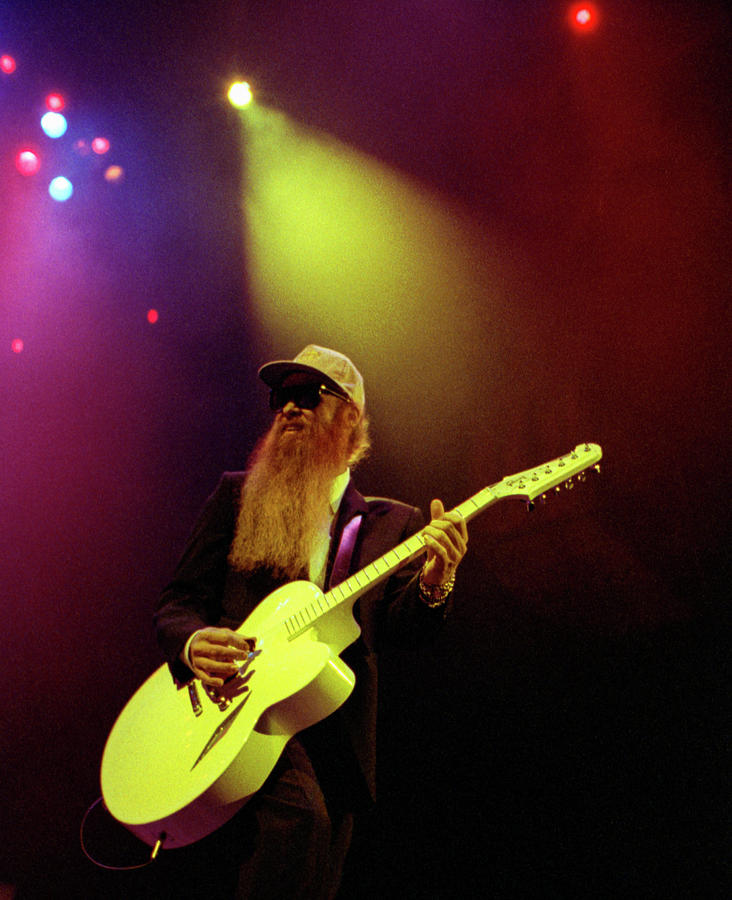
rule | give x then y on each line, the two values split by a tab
524	485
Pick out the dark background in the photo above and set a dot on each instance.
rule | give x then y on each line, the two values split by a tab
567	737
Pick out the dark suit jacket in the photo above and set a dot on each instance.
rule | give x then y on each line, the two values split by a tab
205	590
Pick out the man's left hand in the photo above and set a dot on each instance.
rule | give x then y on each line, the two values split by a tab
446	539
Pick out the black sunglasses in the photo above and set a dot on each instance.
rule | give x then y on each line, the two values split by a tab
304	396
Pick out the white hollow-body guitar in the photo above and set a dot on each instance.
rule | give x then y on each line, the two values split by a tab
180	762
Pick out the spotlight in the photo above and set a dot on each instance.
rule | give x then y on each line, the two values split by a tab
54	124
60	189
583	16
27	162
7	64
240	94
55	102
16	345
100	145
114	174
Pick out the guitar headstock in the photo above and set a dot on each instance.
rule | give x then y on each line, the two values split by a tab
534	482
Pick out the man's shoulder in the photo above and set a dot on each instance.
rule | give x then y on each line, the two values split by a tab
376	506
386	506
392	519
227	488
387	503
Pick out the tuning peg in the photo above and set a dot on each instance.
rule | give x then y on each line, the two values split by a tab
597	468
529	505
569	483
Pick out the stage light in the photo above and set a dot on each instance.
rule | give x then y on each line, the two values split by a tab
152	316
240	94
7	64
27	162
54	124
60	189
55	102
114	174
583	16
17	345
100	145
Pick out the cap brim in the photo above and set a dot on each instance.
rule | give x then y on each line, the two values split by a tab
274	373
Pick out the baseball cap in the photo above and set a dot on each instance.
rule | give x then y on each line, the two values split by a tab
336	370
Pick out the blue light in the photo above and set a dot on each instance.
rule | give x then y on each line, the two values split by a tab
54	124
60	188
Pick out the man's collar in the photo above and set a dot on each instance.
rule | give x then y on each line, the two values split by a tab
338	489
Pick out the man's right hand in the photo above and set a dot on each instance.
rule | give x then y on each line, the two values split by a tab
213	654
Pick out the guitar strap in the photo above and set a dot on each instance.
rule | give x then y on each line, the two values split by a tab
345	552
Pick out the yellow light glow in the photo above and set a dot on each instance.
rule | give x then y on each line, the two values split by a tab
240	94
346	252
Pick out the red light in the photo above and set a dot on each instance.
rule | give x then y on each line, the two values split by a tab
55	102
152	316
583	16
100	145
7	64
17	345
27	162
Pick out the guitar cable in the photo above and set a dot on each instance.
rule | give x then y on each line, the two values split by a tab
151	859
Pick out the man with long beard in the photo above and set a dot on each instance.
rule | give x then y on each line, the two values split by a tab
295	514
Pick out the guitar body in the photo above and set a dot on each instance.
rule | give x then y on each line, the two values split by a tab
166	769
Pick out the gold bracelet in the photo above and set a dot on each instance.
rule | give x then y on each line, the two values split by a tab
435	594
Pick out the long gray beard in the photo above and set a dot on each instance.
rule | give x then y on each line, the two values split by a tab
284	504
